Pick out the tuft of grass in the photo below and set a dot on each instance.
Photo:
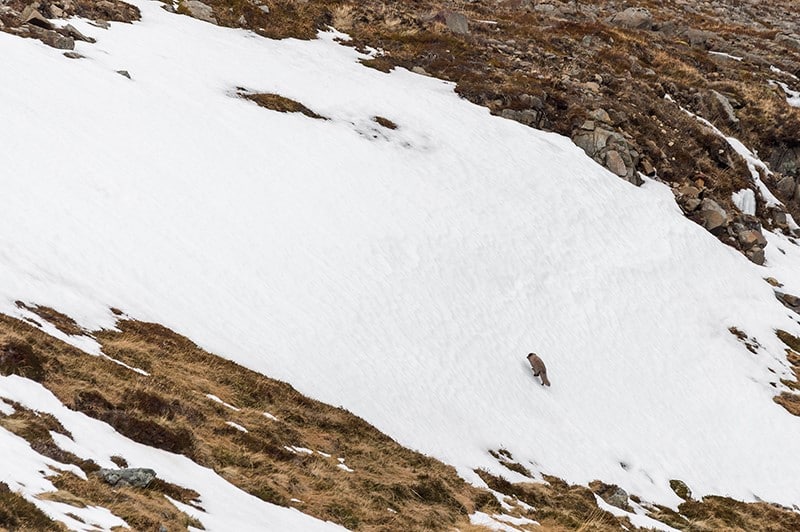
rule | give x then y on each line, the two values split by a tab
723	513
789	401
16	513
282	104
385	122
169	409
19	358
559	506
60	321
792	341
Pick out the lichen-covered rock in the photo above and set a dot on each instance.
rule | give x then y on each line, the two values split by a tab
608	147
633	17
135	477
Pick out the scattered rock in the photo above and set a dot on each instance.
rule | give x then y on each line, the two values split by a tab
789	300
134	477
756	256
601	115
611	493
70	31
724	104
54	39
701	38
607	147
419	70
31	15
73	55
615	163
633	17
712	216
264	9
790	41
199	10
529	117
751	237
124	73
456	22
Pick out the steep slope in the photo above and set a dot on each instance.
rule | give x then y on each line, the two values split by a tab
401	273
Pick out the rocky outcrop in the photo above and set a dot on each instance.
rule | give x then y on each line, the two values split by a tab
134	477
198	10
742	231
790	301
608	147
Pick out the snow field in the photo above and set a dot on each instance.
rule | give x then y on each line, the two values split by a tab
404	278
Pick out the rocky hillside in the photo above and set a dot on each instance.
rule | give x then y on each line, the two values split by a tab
629	82
374	241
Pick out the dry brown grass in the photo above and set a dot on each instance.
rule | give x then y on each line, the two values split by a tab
17	514
60	321
282	104
559	506
170	410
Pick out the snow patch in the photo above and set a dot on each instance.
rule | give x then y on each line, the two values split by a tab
745	201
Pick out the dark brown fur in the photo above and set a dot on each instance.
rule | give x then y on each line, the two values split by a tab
538	367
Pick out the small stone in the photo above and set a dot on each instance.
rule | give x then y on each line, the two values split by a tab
611	493
419	70
601	115
615	163
690	204
264	9
790	300
727	108
751	238
756	255
31	15
456	22
633	17
786	187
55	39
200	11
71	31
73	55
689	191
124	73
780	219
713	216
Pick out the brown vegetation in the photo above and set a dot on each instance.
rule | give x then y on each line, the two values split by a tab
18	514
169	409
282	104
390	487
